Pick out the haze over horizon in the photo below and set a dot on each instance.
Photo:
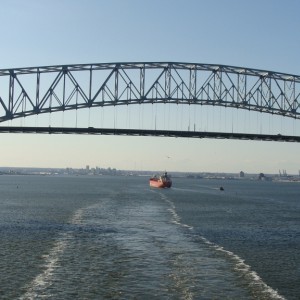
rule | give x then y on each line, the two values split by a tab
256	34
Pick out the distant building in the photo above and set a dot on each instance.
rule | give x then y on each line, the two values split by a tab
261	176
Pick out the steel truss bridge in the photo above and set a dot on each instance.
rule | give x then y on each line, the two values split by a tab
38	90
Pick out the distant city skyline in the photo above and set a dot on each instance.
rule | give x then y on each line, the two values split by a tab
281	176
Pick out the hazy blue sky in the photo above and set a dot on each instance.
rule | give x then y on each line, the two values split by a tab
261	34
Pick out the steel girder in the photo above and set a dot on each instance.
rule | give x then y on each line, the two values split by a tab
37	90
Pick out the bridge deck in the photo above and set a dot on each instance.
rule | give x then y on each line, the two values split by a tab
143	132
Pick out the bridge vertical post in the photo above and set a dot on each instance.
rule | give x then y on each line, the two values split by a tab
116	82
64	89
168	81
289	93
11	92
285	94
37	93
217	85
214	87
193	83
266	92
90	86
142	82
270	93
241	88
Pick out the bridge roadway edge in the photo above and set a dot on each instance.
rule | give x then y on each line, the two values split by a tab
153	133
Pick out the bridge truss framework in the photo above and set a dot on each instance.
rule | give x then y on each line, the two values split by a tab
38	90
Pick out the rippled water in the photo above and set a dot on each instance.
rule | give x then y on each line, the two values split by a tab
116	238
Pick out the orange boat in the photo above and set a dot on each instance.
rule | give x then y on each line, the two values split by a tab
162	181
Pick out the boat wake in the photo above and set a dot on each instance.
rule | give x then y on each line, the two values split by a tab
253	282
40	284
175	217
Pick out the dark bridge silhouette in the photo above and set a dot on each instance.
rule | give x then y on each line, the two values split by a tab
38	90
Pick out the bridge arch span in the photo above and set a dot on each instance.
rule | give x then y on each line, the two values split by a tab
46	89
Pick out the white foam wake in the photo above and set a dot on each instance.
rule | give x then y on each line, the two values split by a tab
176	218
38	286
240	266
245	271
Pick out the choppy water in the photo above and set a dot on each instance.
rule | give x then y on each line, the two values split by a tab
116	238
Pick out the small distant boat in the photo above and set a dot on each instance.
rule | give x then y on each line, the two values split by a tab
221	188
161	181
